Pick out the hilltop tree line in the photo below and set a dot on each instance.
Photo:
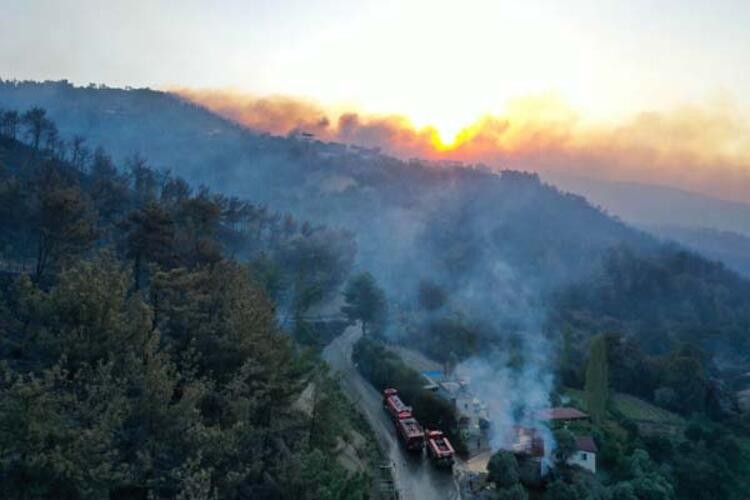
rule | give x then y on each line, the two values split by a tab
140	350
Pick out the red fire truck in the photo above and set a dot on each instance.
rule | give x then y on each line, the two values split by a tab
439	449
410	433
394	406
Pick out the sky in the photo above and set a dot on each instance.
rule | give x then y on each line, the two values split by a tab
439	66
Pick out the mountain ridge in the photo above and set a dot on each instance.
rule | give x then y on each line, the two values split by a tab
656	205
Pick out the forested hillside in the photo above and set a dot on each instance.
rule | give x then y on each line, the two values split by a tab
140	350
728	247
664	298
410	209
495	246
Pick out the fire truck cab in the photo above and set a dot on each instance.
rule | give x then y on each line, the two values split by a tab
394	406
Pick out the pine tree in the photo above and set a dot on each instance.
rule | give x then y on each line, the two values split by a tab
37	123
502	469
150	238
569	370
365	302
63	224
597	379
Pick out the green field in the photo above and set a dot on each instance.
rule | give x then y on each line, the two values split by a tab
631	407
637	409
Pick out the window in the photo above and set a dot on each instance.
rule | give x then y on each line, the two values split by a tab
584	457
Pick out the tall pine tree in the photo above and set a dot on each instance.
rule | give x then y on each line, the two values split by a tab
365	302
597	379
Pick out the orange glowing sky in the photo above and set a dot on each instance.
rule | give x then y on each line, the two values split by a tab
703	148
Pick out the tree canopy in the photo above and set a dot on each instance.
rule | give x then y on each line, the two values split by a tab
597	379
365	302
138	357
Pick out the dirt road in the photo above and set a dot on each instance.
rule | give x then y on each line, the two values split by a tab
416	478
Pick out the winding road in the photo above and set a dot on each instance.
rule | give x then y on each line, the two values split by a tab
415	477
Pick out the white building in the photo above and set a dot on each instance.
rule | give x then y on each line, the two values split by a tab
473	417
585	455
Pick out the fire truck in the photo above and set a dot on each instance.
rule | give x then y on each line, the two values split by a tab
409	432
394	406
439	448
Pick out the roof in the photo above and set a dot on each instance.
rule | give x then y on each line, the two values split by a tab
451	388
586	443
434	374
561	413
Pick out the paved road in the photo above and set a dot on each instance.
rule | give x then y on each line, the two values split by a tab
416	478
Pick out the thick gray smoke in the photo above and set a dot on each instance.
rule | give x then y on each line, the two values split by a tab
515	378
465	246
513	395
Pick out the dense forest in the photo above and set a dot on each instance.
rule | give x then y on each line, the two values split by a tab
664	298
140	345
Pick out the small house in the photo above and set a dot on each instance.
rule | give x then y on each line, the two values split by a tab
585	454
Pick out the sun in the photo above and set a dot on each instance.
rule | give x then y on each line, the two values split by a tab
447	135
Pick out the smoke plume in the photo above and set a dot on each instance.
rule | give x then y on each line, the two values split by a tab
703	148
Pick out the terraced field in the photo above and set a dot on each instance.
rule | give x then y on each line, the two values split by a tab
631	407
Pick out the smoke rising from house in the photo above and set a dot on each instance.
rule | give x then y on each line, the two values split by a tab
704	148
515	379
